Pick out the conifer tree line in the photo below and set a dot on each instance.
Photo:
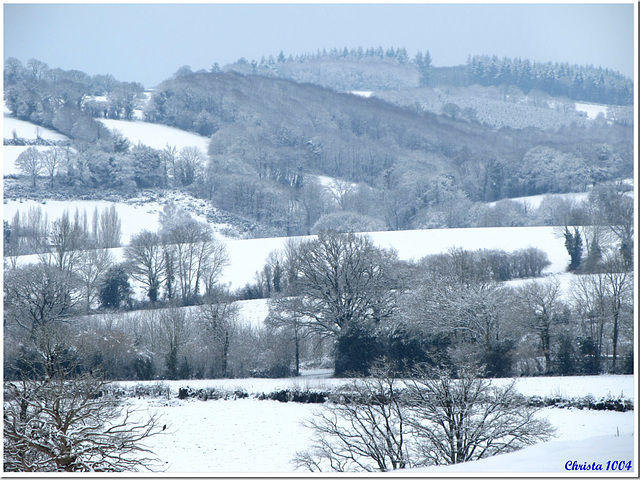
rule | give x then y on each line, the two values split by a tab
583	83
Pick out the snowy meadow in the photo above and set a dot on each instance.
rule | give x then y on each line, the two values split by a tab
263	436
255	436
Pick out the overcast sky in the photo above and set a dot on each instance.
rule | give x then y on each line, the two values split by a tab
148	42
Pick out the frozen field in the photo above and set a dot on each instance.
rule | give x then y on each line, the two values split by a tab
157	136
262	436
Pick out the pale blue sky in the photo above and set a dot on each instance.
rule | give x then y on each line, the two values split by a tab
148	42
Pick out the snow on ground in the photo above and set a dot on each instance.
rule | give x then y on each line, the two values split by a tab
249	256
249	435
157	136
601	386
361	93
554	456
534	201
591	109
253	312
27	130
263	436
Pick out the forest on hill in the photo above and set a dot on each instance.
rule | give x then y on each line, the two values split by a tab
394	164
392	69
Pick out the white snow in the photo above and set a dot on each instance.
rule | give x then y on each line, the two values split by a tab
591	109
263	436
249	256
361	93
253	312
27	130
534	201
157	136
553	456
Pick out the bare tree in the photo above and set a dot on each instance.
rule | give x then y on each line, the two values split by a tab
110	228
364	428
192	253
146	260
217	319
339	284
383	423
463	419
176	327
188	164
51	160
37	295
542	312
338	278
29	162
63	424
168	159
68	238
619	283
93	263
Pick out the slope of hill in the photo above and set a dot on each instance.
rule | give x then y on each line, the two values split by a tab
156	136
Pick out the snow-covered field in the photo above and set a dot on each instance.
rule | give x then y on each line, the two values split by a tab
263	436
253	436
534	201
157	136
591	109
27	130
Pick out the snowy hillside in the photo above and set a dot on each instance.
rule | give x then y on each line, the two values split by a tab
27	130
249	256
157	136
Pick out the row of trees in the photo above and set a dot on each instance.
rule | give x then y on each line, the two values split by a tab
584	83
46	96
341	292
70	235
447	309
116	164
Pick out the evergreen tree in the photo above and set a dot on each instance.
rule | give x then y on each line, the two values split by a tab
116	289
573	243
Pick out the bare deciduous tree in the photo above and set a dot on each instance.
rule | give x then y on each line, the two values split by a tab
542	311
382	424
463	419
337	279
37	295
62	424
93	263
51	160
29	162
146	259
363	429
217	320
